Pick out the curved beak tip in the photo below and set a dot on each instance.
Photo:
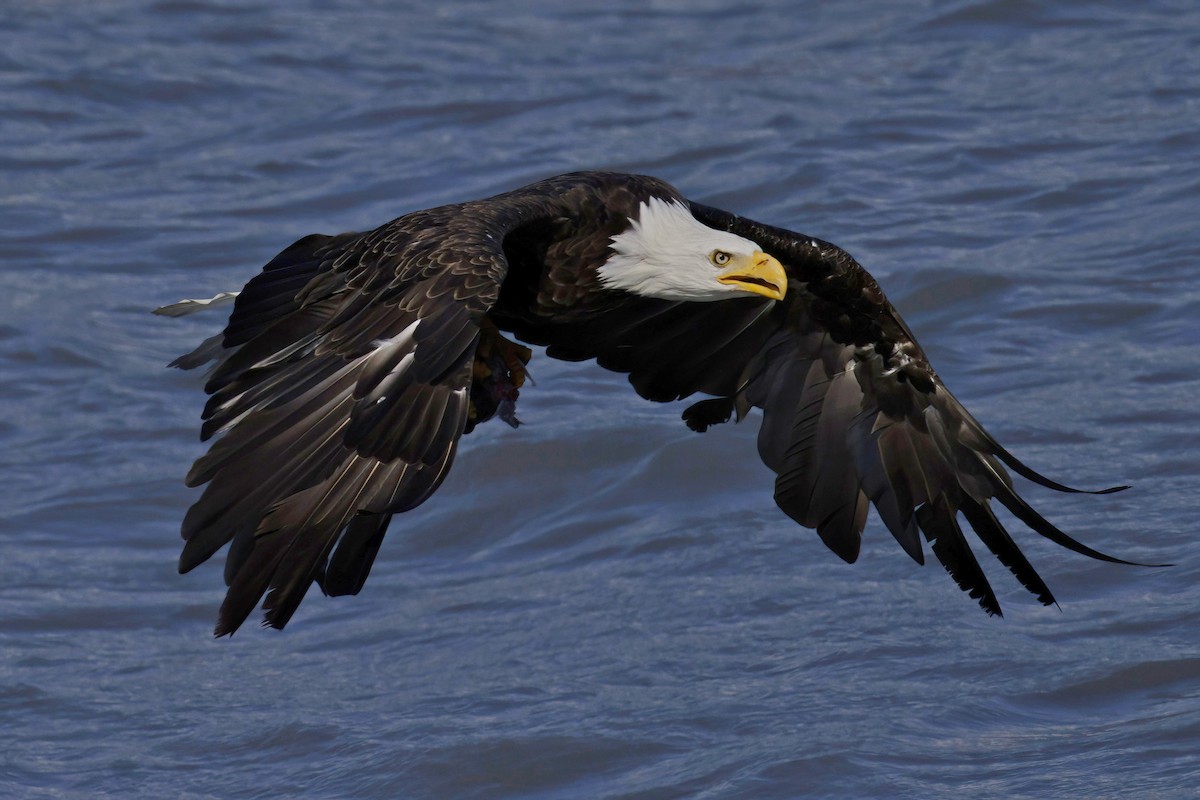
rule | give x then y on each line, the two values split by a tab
764	276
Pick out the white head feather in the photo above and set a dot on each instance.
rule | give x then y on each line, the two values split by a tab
667	253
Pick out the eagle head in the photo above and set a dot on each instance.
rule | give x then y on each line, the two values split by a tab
669	254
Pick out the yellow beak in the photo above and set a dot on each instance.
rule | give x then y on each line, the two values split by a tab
759	274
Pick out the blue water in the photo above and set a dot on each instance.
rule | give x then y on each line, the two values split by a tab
602	604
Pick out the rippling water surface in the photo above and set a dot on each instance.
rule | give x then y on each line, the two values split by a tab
602	604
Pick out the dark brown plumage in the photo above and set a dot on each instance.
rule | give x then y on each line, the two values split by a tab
349	370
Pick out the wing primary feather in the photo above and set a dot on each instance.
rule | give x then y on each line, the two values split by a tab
355	552
982	440
1026	472
1024	512
227	508
950	546
818	485
992	533
248	585
890	494
314	534
288	547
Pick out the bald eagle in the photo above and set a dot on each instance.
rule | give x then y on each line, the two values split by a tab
352	364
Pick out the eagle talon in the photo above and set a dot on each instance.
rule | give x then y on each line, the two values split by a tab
706	413
493	347
496	376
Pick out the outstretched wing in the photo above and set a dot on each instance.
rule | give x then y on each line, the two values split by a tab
340	392
853	412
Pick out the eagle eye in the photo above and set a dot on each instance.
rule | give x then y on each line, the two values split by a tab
720	257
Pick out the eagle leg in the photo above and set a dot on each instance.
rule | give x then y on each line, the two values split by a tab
497	375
